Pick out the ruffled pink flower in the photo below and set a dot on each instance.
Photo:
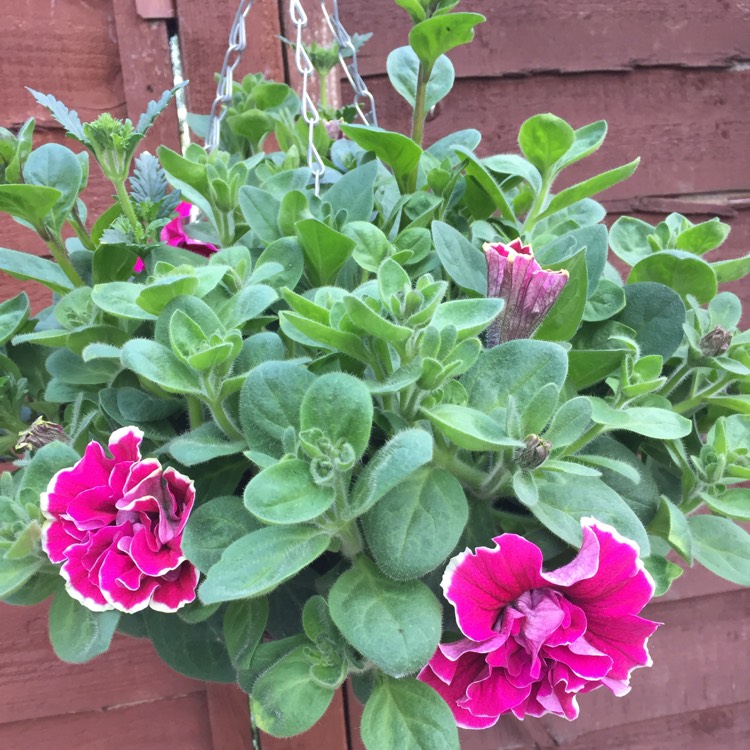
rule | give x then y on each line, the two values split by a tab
174	234
529	291
115	523
534	640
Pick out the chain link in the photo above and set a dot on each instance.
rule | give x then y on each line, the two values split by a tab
351	69
224	87
310	112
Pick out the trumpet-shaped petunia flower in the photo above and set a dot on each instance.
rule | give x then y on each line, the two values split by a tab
115	522
174	234
534	640
529	291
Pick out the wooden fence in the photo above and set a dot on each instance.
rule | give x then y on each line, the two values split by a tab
673	80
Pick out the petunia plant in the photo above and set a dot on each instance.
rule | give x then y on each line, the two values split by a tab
417	431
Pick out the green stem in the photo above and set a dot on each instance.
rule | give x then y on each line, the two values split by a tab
195	411
323	78
420	114
351	540
495	481
222	419
691	403
126	204
592	433
74	220
468	474
537	205
56	247
675	379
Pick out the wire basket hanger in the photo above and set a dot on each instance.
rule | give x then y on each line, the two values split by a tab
238	44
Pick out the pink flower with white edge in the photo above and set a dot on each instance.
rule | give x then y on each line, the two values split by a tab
534	640
174	234
115	523
529	291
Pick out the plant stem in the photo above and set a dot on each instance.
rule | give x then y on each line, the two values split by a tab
675	378
75	221
55	244
222	419
126	204
419	116
195	411
468	474
691	403
537	205
351	540
323	79
593	432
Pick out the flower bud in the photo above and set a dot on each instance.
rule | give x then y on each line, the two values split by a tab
715	342
534	453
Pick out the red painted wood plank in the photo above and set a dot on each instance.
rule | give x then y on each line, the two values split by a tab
685	125
180	722
146	72
572	35
63	48
229	713
204	30
35	684
328	734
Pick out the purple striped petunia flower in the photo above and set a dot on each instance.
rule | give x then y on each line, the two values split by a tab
115	522
534	640
529	291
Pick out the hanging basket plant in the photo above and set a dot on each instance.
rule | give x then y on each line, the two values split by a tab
364	408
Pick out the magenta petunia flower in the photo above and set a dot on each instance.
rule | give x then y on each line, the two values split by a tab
174	234
529	291
534	640
116	526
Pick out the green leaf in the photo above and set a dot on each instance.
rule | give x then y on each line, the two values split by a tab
203	444
544	140
286	700
480	172
731	270
465	264
354	193
435	36
258	562
516	368
395	624
14	573
656	314
468	316
587	140
325	250
605	302
243	628
213	526
400	153
32	203
193	649
649	421
415	526
339	341
403	454
662	571
369	321
703	238
564	501
285	493
409	715
372	246
340	406
671	524
403	69
26	266
571	420
260	210
77	634
589	187
563	319
721	546
469	428
680	271
159	365
628	239
14	312
270	401
119	298
47	461
734	503
413	8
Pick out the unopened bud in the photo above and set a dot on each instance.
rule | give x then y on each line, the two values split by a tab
715	342
40	433
534	452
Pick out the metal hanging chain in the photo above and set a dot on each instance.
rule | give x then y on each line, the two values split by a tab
310	112
351	68
237	44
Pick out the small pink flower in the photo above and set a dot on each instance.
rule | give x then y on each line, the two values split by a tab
533	640
174	233
529	291
116	526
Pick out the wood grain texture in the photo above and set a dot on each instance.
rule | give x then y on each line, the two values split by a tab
572	35
328	734
685	125
35	684
180	722
204	27
229	714
146	72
